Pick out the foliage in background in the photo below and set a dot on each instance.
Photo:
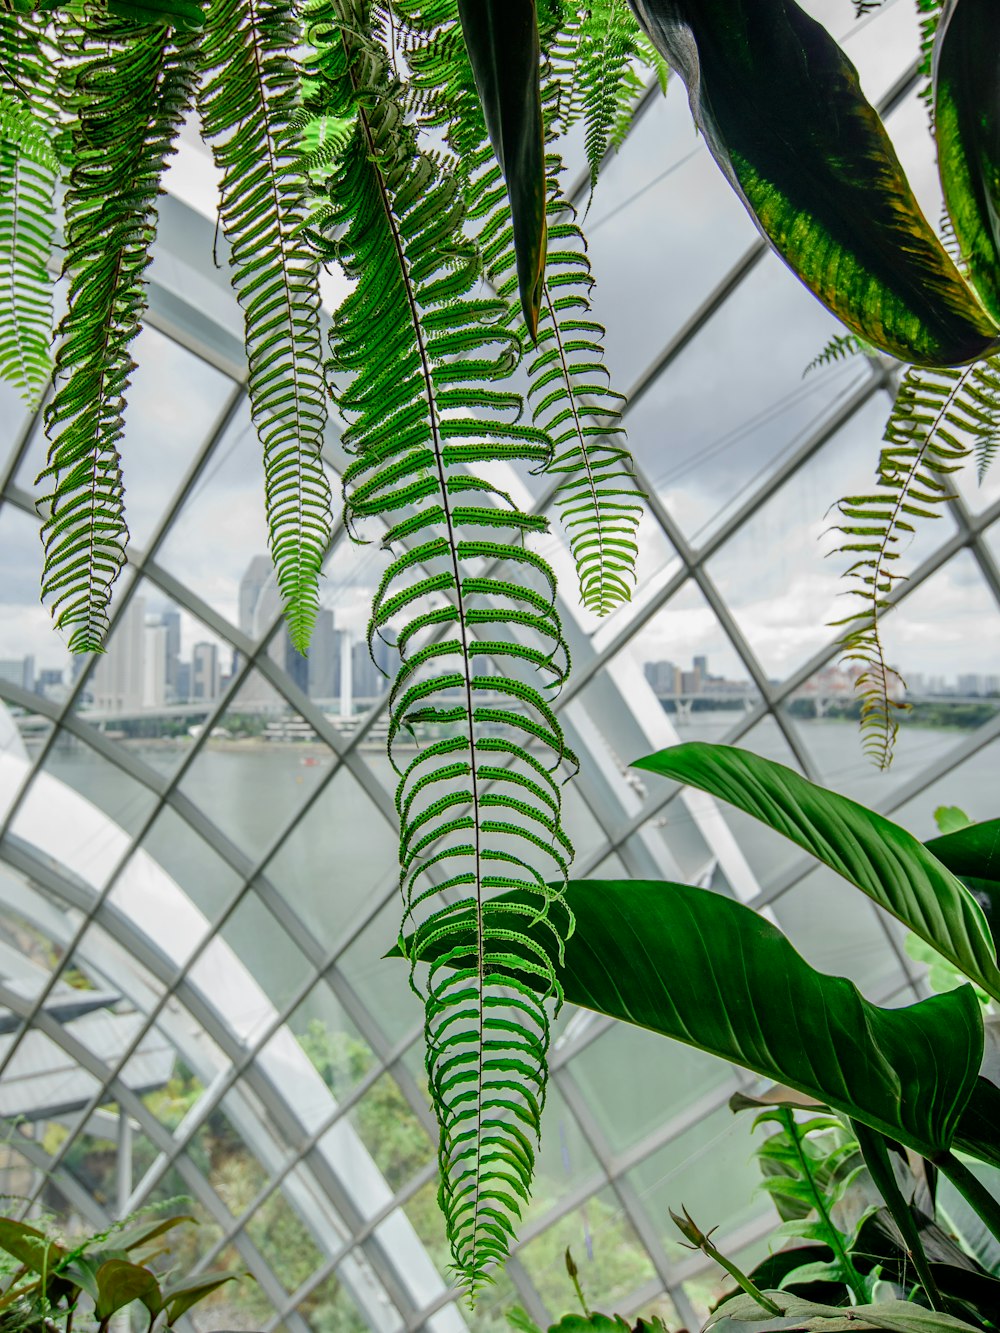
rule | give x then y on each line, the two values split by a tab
91	1278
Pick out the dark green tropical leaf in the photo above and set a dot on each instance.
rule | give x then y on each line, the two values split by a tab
81	1272
973	854
181	14
180	1296
710	972
977	1128
878	857
119	1283
893	1316
29	1246
783	114
132	1237
967	127
502	41
875	1152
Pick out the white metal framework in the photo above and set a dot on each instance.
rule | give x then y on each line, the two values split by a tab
191	982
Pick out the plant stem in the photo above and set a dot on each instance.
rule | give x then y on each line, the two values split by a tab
699	1240
972	1189
574	1277
851	1277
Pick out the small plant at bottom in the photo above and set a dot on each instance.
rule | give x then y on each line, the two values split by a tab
95	1277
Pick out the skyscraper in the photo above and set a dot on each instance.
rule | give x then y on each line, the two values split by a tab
154	675
118	682
205	678
171	622
324	664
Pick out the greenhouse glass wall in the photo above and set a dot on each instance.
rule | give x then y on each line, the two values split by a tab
197	847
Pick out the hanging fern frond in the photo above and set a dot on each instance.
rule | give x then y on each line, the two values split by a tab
249	107
841	347
471	610
129	87
571	399
606	83
28	172
20	125
938	418
569	389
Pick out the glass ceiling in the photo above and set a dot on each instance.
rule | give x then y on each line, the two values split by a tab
197	840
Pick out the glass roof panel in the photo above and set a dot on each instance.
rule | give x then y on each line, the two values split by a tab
287	1110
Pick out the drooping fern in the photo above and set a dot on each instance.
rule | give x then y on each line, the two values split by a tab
28	171
569	390
605	83
128	86
470	608
250	111
938	419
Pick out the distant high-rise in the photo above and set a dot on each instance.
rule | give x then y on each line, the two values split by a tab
324	663
259	607
19	671
205	675
258	578
171	622
154	677
118	682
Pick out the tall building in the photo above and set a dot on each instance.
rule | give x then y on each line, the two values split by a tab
19	671
154	677
205	675
324	660
119	679
370	678
171	622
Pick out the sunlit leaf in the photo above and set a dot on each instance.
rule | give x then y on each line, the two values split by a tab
783	114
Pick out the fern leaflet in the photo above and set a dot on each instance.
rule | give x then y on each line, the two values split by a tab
250	111
28	172
414	348
129	86
938	418
569	392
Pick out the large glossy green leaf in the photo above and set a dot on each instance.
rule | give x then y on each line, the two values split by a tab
895	1316
182	1295
29	1246
706	970
783	114
502	40
967	127
973	854
880	858
182	14
119	1283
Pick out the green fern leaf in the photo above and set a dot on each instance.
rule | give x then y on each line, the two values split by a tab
250	112
570	394
416	350
938	418
129	86
28	172
20	125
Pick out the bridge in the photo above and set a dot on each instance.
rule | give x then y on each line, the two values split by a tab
683	702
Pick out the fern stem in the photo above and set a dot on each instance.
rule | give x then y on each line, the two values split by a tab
433	419
884	753
849	1273
578	425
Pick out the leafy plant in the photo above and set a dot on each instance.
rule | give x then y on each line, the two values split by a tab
720	977
102	1273
326	118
